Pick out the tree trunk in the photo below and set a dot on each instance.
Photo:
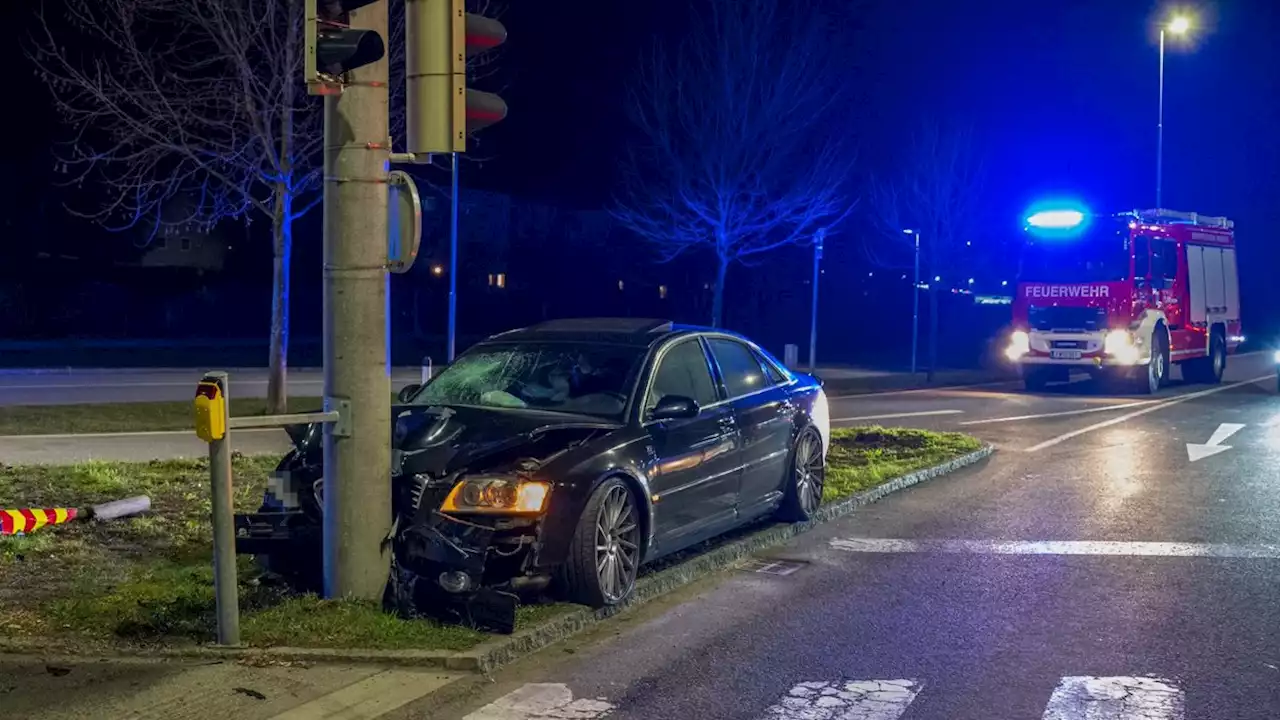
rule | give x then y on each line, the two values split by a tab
717	291
278	363
933	330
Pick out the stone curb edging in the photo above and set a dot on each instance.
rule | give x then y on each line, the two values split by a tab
503	650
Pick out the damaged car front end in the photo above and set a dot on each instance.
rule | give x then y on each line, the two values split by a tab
478	518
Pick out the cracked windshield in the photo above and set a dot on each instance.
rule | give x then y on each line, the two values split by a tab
589	379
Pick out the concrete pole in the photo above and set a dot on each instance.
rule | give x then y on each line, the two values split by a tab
915	308
357	449
813	312
1160	131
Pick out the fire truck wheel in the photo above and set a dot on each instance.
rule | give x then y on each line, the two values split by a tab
1157	371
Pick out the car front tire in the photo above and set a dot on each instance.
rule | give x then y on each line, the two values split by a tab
807	478
604	555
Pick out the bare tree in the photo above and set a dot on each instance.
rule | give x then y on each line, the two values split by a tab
188	97
938	196
738	150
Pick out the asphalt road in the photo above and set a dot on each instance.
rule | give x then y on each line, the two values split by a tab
79	387
1090	569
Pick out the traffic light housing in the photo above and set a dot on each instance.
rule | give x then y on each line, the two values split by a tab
333	47
440	110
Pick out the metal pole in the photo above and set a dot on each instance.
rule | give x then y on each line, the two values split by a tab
357	448
915	307
1160	129
813	315
453	264
226	590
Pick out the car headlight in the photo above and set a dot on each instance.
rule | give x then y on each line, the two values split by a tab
497	494
1019	345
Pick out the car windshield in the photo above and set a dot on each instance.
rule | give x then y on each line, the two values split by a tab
1101	254
585	378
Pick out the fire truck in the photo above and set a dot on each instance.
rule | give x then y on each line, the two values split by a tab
1125	297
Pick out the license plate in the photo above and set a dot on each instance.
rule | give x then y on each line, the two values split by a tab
1064	354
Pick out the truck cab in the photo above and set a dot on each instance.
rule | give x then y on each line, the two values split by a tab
1125	297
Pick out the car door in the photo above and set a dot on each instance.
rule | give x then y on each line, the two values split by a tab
694	461
764	412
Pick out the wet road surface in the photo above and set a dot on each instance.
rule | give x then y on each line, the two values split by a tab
1095	567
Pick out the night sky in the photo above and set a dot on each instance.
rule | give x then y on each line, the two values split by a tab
1062	94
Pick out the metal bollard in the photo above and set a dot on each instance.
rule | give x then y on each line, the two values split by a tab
225	583
426	369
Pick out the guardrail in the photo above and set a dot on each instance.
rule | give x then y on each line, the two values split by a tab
214	425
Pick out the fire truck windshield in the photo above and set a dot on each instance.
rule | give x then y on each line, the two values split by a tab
1100	254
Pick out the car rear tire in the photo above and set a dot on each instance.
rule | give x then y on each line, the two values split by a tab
807	478
604	554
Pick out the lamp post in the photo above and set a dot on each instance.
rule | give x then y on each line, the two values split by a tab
818	239
1178	26
915	301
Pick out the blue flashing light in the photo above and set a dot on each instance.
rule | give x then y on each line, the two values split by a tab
1056	219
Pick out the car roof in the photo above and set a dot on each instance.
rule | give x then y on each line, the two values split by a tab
635	332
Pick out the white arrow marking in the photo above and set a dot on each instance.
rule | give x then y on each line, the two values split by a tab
1214	446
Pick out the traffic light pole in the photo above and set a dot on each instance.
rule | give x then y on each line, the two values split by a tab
357	449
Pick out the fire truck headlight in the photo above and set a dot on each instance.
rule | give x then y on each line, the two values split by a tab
1119	344
1275	357
1019	345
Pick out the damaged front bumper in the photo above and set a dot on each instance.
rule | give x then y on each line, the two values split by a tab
438	568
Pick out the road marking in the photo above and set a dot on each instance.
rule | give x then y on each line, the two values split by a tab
1056	547
924	413
1115	698
913	391
845	700
1214	446
542	701
1143	411
372	697
1065	413
127	435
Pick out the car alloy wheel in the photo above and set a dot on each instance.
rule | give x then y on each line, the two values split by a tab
810	472
617	544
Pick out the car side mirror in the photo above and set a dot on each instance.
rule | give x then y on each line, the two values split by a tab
407	392
675	407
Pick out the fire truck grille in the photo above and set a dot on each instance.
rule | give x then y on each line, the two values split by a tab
1080	319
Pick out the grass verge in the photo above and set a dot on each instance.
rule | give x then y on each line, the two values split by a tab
148	580
124	417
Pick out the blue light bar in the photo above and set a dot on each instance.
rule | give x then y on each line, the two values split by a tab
1056	219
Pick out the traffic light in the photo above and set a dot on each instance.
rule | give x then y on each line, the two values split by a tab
333	47
440	110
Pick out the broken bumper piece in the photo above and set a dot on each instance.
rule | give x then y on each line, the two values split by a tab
273	533
441	563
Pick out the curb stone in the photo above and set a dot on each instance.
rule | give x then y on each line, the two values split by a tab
493	654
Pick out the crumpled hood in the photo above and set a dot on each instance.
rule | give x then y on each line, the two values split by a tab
440	441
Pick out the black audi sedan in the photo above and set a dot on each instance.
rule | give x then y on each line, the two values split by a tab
569	454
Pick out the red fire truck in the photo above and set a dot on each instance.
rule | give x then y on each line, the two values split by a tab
1125	297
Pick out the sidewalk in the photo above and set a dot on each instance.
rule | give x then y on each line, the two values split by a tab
75	689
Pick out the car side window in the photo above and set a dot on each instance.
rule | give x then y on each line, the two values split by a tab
771	372
683	371
742	372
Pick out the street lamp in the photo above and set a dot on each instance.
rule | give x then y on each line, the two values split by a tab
1178	26
818	239
915	301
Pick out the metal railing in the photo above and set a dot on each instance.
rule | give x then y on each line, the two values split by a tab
225	580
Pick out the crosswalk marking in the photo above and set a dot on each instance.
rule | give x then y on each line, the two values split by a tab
542	701
1115	698
851	700
1076	697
